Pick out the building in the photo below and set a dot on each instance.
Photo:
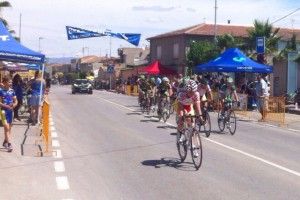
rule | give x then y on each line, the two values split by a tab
134	56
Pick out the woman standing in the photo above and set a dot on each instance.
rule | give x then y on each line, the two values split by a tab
37	87
17	85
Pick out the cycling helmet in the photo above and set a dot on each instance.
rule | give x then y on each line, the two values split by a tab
230	80
142	77
158	81
152	79
165	79
191	86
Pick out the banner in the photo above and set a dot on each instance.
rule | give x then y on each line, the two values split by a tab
132	38
78	33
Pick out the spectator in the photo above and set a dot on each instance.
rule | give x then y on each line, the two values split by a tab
17	85
37	87
261	90
8	103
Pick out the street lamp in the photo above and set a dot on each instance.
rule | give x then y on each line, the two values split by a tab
40	38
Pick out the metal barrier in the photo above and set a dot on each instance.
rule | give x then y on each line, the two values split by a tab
45	124
275	110
131	90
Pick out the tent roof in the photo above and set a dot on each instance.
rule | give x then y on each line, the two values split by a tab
156	68
233	60
11	50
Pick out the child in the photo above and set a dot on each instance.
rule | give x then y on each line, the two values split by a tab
8	101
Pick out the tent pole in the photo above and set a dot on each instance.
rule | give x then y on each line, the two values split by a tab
41	90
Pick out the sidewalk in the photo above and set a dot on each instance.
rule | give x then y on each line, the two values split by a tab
292	121
26	141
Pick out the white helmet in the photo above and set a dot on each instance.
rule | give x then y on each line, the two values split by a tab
191	86
165	79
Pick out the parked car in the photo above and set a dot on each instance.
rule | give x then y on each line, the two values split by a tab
82	86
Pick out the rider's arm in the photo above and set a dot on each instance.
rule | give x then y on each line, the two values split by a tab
236	98
210	96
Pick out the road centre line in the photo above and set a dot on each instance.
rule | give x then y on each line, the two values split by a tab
59	166
228	147
62	183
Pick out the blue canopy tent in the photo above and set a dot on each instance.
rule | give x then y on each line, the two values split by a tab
233	60
12	50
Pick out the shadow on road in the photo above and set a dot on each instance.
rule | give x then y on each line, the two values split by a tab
166	127
170	162
134	113
148	120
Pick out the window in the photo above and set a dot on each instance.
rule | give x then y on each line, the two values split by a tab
176	50
158	51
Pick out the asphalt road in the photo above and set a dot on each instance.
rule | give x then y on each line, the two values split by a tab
108	150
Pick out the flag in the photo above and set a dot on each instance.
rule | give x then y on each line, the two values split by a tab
132	38
78	33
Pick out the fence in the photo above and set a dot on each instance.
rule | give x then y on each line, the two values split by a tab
275	110
131	90
45	124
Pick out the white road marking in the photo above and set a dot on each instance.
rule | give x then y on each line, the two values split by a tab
62	183
57	154
234	149
52	128
294	130
54	134
51	123
116	104
256	157
59	166
55	143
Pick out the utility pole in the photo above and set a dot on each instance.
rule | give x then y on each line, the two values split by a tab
20	26
215	27
109	46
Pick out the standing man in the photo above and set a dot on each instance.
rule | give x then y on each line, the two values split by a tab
262	95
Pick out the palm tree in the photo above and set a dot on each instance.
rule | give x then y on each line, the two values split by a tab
227	41
4	4
264	29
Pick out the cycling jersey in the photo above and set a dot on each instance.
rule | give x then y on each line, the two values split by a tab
226	92
202	91
164	88
184	99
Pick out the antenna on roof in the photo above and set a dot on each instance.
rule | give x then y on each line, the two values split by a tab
215	28
228	21
204	20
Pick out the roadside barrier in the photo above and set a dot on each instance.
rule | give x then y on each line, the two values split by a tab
275	110
45	124
131	90
242	109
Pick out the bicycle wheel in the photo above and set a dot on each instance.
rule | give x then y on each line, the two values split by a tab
181	147
221	123
232	122
171	108
196	149
207	124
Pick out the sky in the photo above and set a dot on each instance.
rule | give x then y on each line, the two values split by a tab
44	21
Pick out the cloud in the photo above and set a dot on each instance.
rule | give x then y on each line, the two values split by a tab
191	10
154	20
153	8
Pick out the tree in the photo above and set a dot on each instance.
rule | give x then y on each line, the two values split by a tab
264	29
4	4
201	52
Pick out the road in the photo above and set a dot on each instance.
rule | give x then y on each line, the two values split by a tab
108	150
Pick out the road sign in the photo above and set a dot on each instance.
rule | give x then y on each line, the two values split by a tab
110	69
260	45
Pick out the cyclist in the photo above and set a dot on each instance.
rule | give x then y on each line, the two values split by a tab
204	89
188	103
227	92
152	92
164	90
144	88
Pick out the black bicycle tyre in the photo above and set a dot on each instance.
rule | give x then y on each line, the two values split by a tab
181	147
232	128
221	123
197	161
207	125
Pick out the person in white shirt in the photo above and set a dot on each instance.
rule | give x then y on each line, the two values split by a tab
262	94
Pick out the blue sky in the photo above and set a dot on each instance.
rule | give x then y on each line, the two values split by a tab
48	18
